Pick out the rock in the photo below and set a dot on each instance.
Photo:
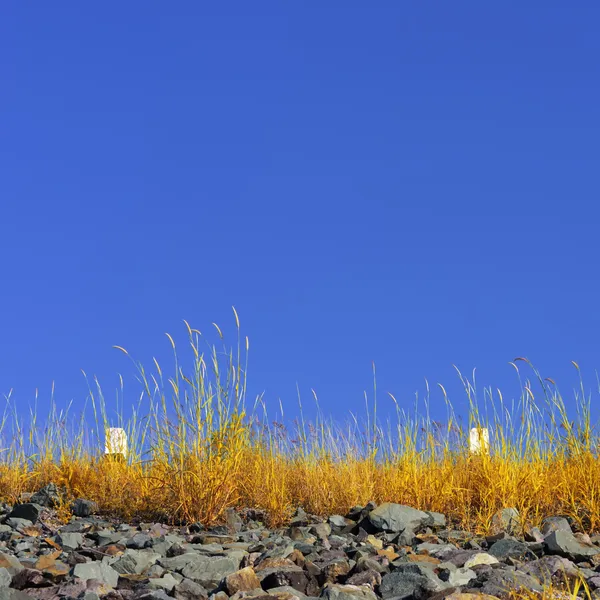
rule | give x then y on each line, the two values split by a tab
84	508
208	571
12	594
135	561
299	517
348	592
50	496
139	541
545	568
460	577
510	549
152	595
5	577
564	543
441	551
375	542
321	530
500	582
438	520
339	522
96	570
70	541
551	524
244	580
409	581
534	535
29	511
29	578
397	518
468	596
368	577
508	520
481	558
292	576
189	590
166	582
234	521
10	563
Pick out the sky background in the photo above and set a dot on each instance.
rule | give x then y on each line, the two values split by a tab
408	183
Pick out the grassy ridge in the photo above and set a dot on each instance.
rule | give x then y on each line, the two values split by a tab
199	447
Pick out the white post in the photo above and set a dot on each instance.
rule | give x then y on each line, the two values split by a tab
479	441
116	441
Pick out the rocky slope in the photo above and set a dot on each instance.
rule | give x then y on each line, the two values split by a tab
388	551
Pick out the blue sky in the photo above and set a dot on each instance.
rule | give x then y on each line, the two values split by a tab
405	183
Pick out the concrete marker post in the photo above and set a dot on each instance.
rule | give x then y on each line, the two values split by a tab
115	444
479	441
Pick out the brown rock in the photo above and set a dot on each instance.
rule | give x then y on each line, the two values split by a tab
332	572
244	580
114	549
47	560
271	563
388	553
29	578
423	558
368	577
57	572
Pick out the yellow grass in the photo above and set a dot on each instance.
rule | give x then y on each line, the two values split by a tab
198	446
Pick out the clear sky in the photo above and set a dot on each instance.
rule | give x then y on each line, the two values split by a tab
410	183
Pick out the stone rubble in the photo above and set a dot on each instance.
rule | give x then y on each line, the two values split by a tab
389	552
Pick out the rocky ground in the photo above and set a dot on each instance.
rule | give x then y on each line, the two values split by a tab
388	551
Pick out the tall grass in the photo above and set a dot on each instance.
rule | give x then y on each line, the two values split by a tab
198	445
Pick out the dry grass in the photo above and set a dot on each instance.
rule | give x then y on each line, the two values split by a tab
197	448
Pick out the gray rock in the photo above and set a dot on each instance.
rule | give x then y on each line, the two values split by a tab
438	520
189	590
70	541
564	543
546	568
396	518
11	594
152	595
155	571
18	524
510	549
84	508
5	577
460	577
102	572
348	592
29	511
166	582
340	522
208	571
410	581
507	519
140	541
551	524
300	517
321	530
10	563
500	582
135	561
50	495
234	521
284	589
